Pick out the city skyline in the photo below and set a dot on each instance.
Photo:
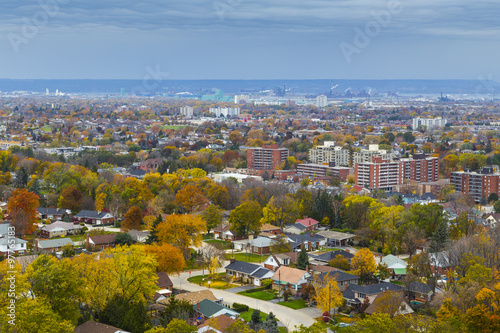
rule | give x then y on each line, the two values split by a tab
235	39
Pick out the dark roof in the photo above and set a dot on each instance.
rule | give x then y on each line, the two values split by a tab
93	327
103	239
419	287
260	272
299	226
163	280
339	276
331	255
208	308
91	214
137	172
50	211
428	196
371	289
297	240
242	267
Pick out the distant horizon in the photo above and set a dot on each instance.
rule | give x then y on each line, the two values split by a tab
256	79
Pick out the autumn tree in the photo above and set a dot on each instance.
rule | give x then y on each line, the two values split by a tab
100	202
170	259
246	218
182	231
190	198
132	219
280	211
212	216
363	264
339	262
328	294
280	245
71	198
22	207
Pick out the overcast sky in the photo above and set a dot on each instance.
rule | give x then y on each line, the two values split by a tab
250	39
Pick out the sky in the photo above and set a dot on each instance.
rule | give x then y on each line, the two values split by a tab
250	39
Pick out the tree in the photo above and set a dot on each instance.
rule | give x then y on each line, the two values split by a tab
439	237
68	250
255	320
100	202
170	259
182	231
152	238
493	197
280	245
206	256
280	211
246	218
123	238
132	219
339	262
496	206
129	316
71	198
412	239
176	309
212	216
23	206
180	326
303	259
328	294
314	328
363	264
21	179
190	198
270	325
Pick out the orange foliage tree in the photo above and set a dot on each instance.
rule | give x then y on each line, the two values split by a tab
22	209
133	219
169	258
189	198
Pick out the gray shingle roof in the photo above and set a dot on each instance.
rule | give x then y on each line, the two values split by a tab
208	308
242	267
331	255
260	272
57	242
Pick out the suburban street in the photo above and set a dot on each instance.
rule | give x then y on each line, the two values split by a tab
289	317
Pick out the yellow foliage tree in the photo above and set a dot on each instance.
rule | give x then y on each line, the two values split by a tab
363	264
181	231
328	294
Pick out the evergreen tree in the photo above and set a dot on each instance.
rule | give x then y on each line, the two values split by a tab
162	169
255	320
132	317
439	237
153	237
271	324
287	165
483	201
21	179
303	259
265	176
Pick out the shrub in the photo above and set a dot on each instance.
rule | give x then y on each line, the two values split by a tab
267	283
240	307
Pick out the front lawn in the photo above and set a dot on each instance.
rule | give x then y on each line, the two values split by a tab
227	245
248	257
247	315
262	295
295	304
217	283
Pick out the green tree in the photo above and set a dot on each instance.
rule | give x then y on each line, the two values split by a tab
270	325
180	326
439	237
303	259
496	206
246	218
255	320
280	211
129	316
280	245
176	309
493	197
123	238
212	216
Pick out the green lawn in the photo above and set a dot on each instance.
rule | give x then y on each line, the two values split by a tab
76	238
249	257
246	316
174	127
295	304
226	245
262	295
218	283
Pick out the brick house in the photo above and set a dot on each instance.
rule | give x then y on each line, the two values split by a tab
96	218
292	279
101	242
309	223
51	245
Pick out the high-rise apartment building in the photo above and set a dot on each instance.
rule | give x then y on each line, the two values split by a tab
226	112
329	153
386	174
428	122
266	158
187	111
321	101
365	155
476	184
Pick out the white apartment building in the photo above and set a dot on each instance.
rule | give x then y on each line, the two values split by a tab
365	155
187	111
329	153
428	122
321	101
225	112
240	98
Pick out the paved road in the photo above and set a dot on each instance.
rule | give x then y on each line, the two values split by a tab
289	317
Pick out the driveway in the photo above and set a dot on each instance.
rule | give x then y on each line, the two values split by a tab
289	317
238	289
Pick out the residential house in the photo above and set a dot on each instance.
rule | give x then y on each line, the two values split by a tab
95	327
292	279
270	229
164	285
440	261
260	245
207	309
223	231
248	272
194	297
295	228
151	165
376	306
274	261
12	245
310	223
51	245
217	324
420	292
355	294
52	213
95	218
309	240
139	236
343	279
326	257
396	266
60	229
335	238
101	242
492	220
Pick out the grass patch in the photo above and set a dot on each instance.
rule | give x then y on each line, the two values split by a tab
226	245
217	283
249	257
397	282
262	295
174	127
246	316
295	304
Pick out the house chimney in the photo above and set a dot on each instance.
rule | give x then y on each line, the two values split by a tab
312	234
198	306
232	260
348	251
